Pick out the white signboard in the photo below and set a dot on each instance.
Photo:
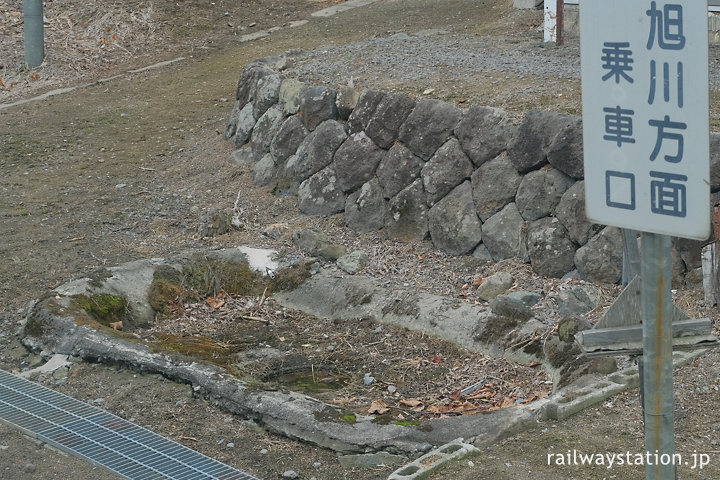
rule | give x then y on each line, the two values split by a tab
645	115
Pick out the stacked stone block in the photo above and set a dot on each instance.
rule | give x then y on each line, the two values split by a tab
472	181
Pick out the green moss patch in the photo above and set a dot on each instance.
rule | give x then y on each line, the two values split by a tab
104	308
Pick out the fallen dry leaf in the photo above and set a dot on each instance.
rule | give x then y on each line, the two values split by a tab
411	402
437	359
379	407
216	301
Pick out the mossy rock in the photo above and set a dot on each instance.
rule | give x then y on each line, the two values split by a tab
334	415
568	327
495	329
104	308
290	278
208	274
166	289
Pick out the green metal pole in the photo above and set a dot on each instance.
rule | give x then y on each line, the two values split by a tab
657	357
34	32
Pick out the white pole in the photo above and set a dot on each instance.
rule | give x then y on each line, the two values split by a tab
553	21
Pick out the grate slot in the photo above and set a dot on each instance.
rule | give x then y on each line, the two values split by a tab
101	438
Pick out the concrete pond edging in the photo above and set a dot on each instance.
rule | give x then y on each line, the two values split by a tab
52	326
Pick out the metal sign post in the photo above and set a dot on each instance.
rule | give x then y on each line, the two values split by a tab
33	32
657	361
646	157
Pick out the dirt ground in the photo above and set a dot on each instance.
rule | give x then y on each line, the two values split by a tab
119	171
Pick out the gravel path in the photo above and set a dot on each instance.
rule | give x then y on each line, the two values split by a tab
438	53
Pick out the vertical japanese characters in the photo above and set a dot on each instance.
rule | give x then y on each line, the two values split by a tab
650	124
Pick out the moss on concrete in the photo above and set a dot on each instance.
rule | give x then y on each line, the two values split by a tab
104	308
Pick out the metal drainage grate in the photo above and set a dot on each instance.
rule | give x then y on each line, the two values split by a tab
104	439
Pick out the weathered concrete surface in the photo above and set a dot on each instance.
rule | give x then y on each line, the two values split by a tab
51	326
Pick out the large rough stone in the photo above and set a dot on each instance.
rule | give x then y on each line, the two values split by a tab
244	125
364	110
526	297
365	208
289	96
317	150
320	194
264	170
317	104
540	192
233	119
317	244
482	254
600	260
502	233
247	85
551	251
285	181
566	150
578	300
390	114
571	213
429	126
445	170
714	162
356	161
288	138
494	285
506	306
529	149
407	216
398	169
690	251
266	94
347	98
484	132
494	186
454	225
264	132
242	155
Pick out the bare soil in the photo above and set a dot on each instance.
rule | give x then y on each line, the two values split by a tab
118	171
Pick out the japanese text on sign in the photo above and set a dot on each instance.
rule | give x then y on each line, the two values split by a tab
645	132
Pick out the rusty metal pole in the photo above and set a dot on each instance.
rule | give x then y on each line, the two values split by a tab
560	8
657	357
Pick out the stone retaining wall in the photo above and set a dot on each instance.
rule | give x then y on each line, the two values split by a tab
474	181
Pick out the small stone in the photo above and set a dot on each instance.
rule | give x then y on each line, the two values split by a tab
353	262
495	285
379	329
367	380
317	465
392	388
290	474
231	445
29	468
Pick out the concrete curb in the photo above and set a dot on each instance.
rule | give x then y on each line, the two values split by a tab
349	5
